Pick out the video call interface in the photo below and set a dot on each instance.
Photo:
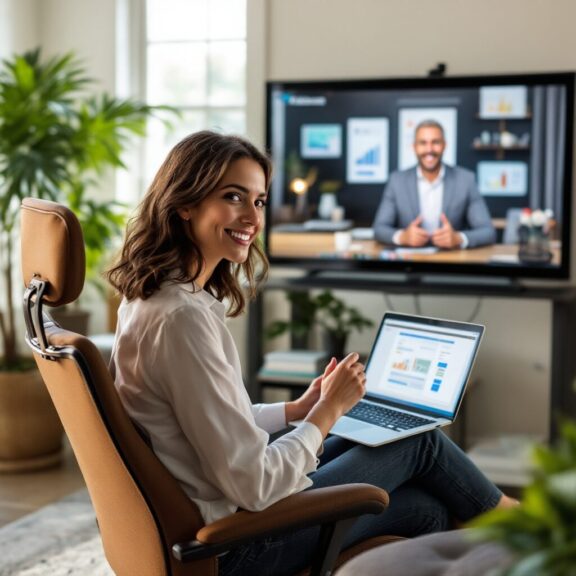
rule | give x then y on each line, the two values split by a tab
421	367
346	142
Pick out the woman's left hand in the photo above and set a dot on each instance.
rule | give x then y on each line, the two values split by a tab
298	409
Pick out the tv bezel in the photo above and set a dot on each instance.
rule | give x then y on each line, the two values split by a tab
561	272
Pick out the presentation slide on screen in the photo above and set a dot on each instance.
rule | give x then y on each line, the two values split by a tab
321	141
503	102
368	150
421	366
502	178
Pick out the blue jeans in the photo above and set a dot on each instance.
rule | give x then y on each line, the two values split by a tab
430	480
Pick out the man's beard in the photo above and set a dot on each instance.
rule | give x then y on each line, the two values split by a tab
436	166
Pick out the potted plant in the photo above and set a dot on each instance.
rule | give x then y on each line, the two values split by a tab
541	532
333	315
54	140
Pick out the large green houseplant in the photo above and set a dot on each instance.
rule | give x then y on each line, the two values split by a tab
541	532
55	140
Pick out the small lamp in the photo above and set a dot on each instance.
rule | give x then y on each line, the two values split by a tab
300	187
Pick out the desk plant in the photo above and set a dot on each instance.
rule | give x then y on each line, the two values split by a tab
55	139
541	532
333	315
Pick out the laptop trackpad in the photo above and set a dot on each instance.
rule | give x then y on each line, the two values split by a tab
362	432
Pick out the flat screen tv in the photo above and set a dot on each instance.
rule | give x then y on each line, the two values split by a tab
336	144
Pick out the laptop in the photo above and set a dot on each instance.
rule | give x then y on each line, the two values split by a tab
416	376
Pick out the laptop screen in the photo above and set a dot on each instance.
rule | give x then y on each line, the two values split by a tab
422	363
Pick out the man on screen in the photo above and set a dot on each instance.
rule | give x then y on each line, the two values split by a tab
433	203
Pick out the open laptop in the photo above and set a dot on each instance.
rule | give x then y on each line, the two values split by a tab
416	376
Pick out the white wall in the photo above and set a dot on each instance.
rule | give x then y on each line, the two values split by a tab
383	38
19	23
86	27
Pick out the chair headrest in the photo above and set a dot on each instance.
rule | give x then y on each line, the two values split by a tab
52	250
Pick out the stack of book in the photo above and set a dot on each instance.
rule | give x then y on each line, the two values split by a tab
505	460
297	364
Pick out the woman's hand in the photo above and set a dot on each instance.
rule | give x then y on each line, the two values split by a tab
345	385
340	390
299	409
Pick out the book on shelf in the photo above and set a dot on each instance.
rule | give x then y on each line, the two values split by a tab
303	378
296	355
505	460
301	362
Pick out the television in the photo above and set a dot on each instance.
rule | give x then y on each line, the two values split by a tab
335	145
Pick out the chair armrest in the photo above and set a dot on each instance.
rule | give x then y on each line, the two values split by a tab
302	510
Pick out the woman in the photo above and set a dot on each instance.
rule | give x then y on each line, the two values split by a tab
178	374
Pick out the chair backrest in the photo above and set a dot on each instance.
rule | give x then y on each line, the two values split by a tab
141	509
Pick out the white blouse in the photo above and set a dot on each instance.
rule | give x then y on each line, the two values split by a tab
178	374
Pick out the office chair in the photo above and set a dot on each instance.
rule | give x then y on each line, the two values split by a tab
149	527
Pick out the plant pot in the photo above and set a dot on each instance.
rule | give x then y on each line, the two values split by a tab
326	205
335	345
72	318
30	431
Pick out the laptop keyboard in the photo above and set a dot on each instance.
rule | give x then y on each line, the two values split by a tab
386	418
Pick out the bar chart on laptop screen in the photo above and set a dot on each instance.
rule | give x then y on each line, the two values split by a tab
425	366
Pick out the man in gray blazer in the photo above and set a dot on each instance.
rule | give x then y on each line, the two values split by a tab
433	203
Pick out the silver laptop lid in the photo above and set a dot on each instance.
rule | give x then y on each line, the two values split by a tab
422	364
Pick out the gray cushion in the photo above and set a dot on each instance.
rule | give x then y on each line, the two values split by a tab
442	554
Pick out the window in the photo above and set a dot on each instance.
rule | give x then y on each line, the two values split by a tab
195	60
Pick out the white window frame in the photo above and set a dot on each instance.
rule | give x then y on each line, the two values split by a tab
131	49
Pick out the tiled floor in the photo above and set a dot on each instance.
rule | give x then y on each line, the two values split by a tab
21	494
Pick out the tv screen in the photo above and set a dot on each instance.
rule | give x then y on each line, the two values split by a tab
463	175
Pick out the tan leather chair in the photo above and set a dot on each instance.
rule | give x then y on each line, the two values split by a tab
149	527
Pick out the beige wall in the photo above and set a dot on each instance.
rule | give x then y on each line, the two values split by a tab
19	24
340	38
88	28
383	38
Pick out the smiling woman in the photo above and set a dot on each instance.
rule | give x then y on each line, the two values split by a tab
210	188
227	222
178	374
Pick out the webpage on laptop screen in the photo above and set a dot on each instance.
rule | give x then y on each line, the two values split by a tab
424	367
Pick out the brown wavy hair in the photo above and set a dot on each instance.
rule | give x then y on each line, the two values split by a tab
158	243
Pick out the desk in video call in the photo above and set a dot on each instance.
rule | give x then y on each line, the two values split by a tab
322	245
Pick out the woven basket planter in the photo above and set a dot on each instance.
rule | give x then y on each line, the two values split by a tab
30	431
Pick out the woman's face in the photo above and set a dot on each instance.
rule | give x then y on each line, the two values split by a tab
226	223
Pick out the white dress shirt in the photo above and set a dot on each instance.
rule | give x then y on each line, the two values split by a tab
430	196
178	374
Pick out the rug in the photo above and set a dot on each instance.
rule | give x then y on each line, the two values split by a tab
57	540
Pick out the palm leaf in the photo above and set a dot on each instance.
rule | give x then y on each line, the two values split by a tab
55	140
